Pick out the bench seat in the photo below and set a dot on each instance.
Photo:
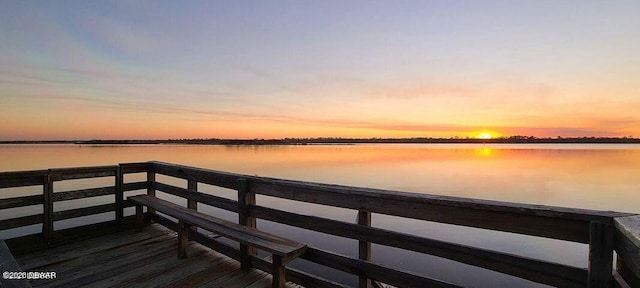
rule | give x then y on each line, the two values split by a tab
283	250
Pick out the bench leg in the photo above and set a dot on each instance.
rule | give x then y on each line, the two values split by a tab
183	239
278	272
246	252
139	218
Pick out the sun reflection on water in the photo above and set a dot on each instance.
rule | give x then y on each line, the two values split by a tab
484	152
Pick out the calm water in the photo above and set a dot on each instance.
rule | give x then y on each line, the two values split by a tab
604	177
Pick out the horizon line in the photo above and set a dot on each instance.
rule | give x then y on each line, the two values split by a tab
294	140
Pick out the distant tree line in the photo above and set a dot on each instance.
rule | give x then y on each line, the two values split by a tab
338	140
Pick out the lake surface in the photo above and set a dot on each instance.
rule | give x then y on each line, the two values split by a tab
592	176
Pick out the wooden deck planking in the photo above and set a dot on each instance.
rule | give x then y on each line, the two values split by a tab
65	253
145	259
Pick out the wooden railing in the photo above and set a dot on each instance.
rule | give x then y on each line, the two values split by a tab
627	245
44	181
603	231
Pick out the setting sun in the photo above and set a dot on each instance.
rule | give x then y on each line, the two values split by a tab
484	135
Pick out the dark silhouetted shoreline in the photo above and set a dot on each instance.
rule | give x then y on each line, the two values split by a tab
312	141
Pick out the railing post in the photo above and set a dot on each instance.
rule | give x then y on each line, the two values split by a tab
364	247
183	238
47	209
246	198
151	178
119	197
601	241
192	185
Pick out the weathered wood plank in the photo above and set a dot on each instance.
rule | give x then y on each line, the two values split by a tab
483	215
223	248
538	220
245	200
627	245
371	270
278	272
235	253
9	264
119	197
151	178
619	281
261	283
139	218
183	239
303	278
22	178
364	247
137	167
85	211
309	280
151	191
300	277
601	255
97	263
60	174
211	177
38	259
536	270
236	279
108	264
199	261
148	275
47	209
229	180
199	237
192	186
214	270
34	242
127	204
142	263
21	201
134	186
83	193
20	221
88	231
81	259
268	242
33	174
377	284
328	190
86	263
200	197
625	275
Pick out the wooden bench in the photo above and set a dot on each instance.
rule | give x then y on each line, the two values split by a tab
282	250
9	264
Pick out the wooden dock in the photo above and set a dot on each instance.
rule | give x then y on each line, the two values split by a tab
147	259
109	254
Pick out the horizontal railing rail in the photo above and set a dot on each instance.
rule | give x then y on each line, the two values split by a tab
603	231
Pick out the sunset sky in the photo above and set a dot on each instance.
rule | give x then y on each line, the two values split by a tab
274	69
